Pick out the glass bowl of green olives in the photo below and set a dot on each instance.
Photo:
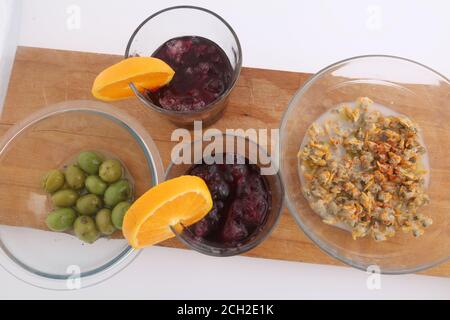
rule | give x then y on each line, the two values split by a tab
69	173
89	196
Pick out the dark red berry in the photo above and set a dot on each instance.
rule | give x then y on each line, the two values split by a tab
239	170
255	209
234	230
201	228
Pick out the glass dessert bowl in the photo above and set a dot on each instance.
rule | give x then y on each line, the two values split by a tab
400	89
44	141
205	54
247	201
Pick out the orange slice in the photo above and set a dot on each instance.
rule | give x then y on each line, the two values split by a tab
145	72
184	199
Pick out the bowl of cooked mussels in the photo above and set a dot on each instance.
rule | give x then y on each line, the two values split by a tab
365	153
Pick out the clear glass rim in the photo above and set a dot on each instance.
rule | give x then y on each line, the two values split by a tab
293	211
204	247
224	95
45	280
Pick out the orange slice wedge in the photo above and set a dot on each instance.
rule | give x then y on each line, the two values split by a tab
184	199
145	72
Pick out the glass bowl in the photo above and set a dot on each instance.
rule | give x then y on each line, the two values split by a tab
42	142
181	21
406	87
245	148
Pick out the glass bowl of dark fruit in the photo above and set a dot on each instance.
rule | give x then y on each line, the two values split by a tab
205	53
247	200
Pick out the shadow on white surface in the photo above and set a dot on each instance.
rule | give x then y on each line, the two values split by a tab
9	34
296	35
163	273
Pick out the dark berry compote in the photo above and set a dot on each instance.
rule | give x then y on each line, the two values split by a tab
203	73
241	200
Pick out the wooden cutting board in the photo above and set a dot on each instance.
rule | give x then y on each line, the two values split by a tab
42	77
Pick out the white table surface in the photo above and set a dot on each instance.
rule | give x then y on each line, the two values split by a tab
287	35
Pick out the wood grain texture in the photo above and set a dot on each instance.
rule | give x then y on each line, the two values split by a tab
42	77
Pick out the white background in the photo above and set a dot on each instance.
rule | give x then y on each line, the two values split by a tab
286	35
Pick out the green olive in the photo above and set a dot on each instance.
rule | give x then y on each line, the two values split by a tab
53	181
65	198
118	213
110	170
117	192
85	229
95	185
75	177
65	186
61	219
89	204
89	161
104	222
